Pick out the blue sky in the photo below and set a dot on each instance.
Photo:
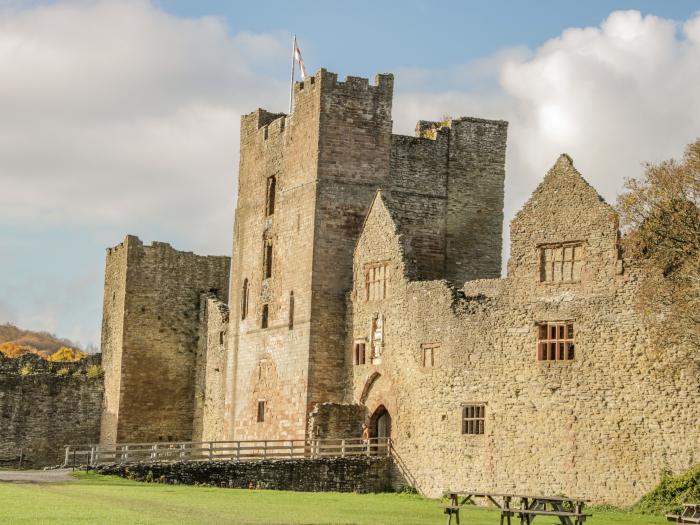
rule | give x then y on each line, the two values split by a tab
121	116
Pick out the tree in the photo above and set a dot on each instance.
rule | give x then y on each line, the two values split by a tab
660	215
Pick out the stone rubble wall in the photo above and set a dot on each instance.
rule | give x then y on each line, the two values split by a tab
42	411
604	426
357	474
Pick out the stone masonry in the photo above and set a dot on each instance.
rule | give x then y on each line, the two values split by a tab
44	406
365	286
150	333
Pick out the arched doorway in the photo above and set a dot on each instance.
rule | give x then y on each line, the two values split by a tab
380	423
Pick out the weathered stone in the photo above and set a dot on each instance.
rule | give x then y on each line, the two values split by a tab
357	474
42	409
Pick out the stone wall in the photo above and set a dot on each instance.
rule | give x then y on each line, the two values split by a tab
44	406
358	474
604	425
337	421
328	158
149	338
210	369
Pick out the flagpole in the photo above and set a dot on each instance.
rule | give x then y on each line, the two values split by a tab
291	86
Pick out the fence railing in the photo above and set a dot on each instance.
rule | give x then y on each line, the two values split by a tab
224	450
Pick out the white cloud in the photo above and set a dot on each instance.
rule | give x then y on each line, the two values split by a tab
612	96
120	116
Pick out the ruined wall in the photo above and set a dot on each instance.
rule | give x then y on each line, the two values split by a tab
603	426
157	302
336	420
210	369
356	474
44	406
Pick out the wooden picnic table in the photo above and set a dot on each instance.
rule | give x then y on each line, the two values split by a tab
690	514
562	507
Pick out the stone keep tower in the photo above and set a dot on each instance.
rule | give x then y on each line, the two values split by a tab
306	182
150	330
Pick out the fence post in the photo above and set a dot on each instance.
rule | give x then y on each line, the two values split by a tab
265	449
342	448
238	450
211	451
291	449
154	451
92	456
67	458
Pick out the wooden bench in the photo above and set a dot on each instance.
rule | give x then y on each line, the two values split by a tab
568	510
527	516
690	514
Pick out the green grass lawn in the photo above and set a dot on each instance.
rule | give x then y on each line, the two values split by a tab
105	500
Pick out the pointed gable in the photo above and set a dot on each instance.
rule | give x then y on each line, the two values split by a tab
418	225
564	210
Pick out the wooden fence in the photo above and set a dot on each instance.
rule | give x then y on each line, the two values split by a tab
224	450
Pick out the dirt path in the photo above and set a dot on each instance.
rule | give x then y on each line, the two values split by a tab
35	476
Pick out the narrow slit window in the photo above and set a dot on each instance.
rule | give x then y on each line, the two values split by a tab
291	310
221	338
473	418
244	299
555	341
261	411
359	353
264	316
270	201
267	260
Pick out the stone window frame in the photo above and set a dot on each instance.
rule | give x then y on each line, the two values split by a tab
572	266
556	341
359	352
473	418
262	406
427	350
376	273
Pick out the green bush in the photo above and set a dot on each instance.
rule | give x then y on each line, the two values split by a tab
671	492
95	371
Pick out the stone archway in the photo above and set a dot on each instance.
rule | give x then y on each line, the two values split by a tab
380	423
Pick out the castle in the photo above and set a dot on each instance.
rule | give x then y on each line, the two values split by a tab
365	286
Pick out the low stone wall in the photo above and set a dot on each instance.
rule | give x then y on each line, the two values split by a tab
44	406
357	474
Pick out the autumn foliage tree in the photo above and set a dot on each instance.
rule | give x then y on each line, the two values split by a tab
660	214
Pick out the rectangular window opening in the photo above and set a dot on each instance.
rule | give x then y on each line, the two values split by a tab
555	341
359	353
264	316
376	280
473	418
561	262
261	411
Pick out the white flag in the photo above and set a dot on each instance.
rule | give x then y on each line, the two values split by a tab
297	57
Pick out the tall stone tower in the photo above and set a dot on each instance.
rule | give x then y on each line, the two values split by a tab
306	182
150	330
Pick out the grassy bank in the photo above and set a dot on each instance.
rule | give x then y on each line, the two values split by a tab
110	500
